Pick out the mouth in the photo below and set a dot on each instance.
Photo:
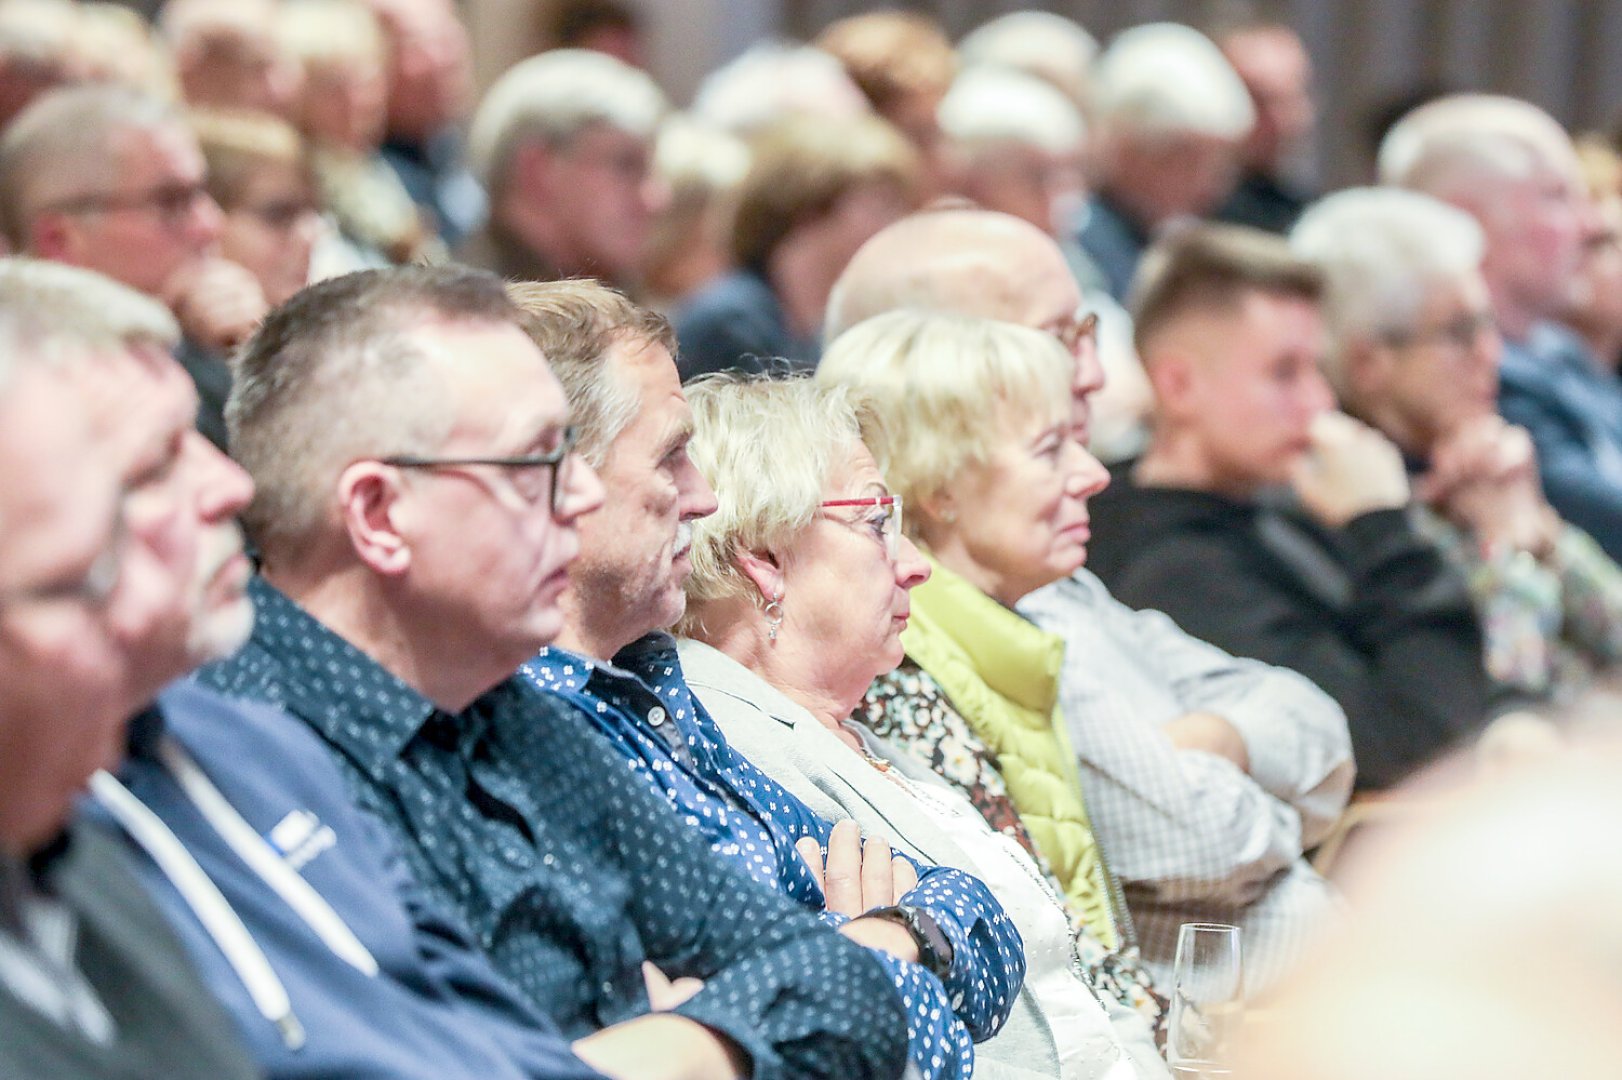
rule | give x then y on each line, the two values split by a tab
684	541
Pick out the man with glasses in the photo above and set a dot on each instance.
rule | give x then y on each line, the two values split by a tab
417	513
105	178
937	927
1156	717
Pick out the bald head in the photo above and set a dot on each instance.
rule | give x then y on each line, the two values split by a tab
971	262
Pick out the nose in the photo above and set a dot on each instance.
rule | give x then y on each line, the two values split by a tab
583	491
1087	476
696	497
227	489
911	568
206	221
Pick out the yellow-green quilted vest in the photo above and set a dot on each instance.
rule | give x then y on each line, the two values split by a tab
1002	674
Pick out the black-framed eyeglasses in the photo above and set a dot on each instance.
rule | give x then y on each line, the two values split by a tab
93	588
887	521
551	459
1462	332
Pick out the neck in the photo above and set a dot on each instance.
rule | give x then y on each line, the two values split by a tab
797	671
802	277
589	626
1605	346
947	547
1177	459
350	604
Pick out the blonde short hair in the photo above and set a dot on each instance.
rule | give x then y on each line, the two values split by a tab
935	391
767	446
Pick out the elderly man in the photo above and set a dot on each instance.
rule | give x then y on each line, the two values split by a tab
92	982
415	541
107	179
227	56
1172	114
563	143
1191	835
1510	166
1272	62
615	665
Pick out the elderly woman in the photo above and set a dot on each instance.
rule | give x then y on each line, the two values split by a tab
798	597
1413	352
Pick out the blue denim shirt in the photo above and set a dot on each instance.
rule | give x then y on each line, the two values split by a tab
518	816
642	703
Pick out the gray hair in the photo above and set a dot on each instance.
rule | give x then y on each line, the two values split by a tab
987	108
929	386
51	313
1382	251
1168	80
1447	147
65	145
575	323
332	376
1038	43
773	80
551	98
767	446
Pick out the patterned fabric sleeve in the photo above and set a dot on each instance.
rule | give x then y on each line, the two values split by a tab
1591	595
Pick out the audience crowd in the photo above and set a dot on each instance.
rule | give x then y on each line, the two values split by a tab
822	584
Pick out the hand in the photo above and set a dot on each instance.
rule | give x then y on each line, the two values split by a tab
1211	733
664	993
217	302
661	1046
1484	479
856	877
1351	470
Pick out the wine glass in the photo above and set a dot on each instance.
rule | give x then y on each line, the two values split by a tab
1207	1003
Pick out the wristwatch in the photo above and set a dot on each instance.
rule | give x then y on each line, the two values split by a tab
934	948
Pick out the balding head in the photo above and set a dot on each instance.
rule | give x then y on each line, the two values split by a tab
1461	141
971	262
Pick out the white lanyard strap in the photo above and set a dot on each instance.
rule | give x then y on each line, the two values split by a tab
254	850
211	908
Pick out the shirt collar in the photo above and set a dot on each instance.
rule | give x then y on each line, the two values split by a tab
354	702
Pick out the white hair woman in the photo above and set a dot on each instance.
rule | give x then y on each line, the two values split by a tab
798	597
1414	352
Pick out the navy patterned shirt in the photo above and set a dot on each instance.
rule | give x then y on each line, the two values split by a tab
517	815
642	703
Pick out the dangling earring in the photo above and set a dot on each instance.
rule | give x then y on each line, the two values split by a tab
774	617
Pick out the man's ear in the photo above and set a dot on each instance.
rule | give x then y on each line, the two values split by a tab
764	571
54	237
1367	367
1172	375
371	510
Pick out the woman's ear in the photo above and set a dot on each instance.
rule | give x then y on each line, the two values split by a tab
764	570
371	511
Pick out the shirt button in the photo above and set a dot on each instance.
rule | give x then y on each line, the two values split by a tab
656	716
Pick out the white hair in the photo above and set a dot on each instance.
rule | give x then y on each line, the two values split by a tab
989	106
553	97
1038	43
1382	251
1166	79
691	154
773	80
55	314
1452	144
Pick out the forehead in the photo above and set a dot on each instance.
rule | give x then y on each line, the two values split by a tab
136	399
159	154
854	472
648	369
56	492
1022	279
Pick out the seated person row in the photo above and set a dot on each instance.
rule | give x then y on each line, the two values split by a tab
326	953
1190	835
425	574
1266	523
797	600
228	838
1413	351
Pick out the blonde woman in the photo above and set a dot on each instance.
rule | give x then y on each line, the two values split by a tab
799	594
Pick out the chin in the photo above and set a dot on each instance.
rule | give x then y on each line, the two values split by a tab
218	633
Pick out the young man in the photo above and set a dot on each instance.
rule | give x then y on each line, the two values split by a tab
1333	580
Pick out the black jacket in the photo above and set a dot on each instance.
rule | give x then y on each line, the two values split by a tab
1370	612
